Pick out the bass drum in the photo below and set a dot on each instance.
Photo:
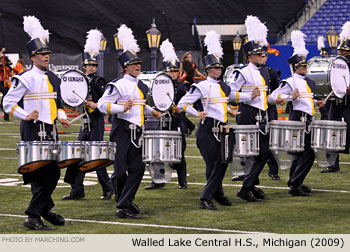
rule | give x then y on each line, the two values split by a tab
318	68
74	88
161	92
339	76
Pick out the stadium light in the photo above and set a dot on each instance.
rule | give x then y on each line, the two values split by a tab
153	37
237	43
332	37
119	48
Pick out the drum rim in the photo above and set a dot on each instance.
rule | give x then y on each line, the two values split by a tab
329	123
287	122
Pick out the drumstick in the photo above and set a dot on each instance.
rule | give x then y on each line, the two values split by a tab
73	91
77	118
325	100
168	94
206	103
39	98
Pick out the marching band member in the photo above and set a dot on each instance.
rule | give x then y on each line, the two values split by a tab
178	118
274	79
250	86
40	90
340	108
93	126
214	96
125	99
299	90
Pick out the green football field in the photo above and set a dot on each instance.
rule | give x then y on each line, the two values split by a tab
170	210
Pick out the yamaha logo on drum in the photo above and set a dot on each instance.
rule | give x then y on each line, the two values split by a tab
72	79
339	66
162	81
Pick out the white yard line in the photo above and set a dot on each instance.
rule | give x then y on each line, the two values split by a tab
152	225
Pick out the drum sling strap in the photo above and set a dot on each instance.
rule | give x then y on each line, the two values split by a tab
227	141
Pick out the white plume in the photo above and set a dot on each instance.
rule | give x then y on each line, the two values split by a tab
33	27
93	40
256	30
213	43
345	33
127	39
298	43
320	43
168	51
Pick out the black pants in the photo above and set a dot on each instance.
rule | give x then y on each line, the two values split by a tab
76	177
337	112
247	117
301	163
42	189
128	165
215	170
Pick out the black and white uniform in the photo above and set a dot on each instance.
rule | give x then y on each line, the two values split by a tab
215	94
274	78
304	106
242	82
128	165
74	176
37	89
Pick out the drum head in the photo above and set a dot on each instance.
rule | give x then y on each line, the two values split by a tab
74	88
339	76
162	92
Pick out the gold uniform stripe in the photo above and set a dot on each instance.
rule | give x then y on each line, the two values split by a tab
237	97
53	106
109	108
223	95
13	110
141	108
265	97
311	99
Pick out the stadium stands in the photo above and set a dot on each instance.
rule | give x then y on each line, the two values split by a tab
332	12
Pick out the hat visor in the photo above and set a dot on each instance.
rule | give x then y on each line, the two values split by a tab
215	65
90	62
134	61
343	48
42	51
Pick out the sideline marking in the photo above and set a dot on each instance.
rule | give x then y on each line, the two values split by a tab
152	225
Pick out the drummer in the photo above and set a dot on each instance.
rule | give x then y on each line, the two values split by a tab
340	108
93	126
299	90
124	98
38	117
214	96
171	67
250	86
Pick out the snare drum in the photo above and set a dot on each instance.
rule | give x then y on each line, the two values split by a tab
287	136
33	155
96	155
74	88
161	146
161	92
246	140
69	152
328	135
